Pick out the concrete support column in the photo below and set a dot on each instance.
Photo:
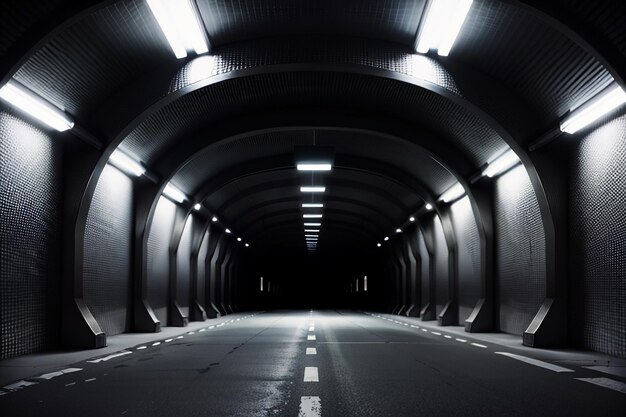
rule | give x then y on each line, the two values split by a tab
196	310
449	316
429	311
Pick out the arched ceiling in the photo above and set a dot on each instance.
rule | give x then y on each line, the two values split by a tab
283	73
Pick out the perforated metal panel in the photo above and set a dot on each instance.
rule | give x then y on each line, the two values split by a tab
468	256
107	258
30	206
158	259
520	254
598	238
183	264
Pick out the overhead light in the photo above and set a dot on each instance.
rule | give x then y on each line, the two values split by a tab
247	245
429	206
312	230
452	193
197	206
214	219
238	239
125	163
311	238
228	231
501	164
314	189
173	193
313	167
314	205
398	230
310	235
27	101
312	216
444	19
603	103
379	245
312	224
180	25
386	238
411	219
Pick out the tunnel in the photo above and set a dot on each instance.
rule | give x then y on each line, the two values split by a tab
313	208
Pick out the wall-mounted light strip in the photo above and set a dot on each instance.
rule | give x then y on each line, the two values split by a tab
603	103
180	25
312	205
313	224
170	191
310	166
501	164
453	193
313	189
126	164
30	103
312	216
444	19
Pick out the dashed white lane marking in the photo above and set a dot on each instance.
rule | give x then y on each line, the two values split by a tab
156	343
19	385
59	373
70	384
310	407
311	351
606	383
202	330
90	379
310	337
179	337
115	355
460	340
436	333
424	330
414	326
311	323
535	362
211	327
312	328
310	374
195	332
447	336
479	345
141	347
168	340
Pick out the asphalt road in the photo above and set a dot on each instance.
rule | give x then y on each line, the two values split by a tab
358	365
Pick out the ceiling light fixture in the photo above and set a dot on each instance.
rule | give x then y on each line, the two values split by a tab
313	189
501	164
601	104
398	230
453	193
309	166
214	219
312	224
312	216
197	206
247	245
428	206
386	238
411	219
379	245
125	163
238	239
310	235
180	25
170	191
444	19
313	205
312	230
227	231
29	102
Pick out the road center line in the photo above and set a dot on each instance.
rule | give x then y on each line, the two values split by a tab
310	407
310	374
535	362
311	351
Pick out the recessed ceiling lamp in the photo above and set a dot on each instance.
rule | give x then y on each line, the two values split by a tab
197	206
238	239
313	189
501	164
386	238
428	206
310	235
214	219
411	219
379	245
398	230
453	193
311	166
170	191
312	216
125	163
603	103
25	100
444	19
247	245
180	25
227	231
312	230
312	205
312	224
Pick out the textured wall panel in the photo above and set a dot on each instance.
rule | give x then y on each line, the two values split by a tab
183	264
598	238
441	262
30	203
108	252
520	253
425	268
158	259
468	256
202	268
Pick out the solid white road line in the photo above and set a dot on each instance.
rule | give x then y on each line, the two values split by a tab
310	407
115	355
310	337
312	328
59	373
311	351
310	374
606	383
535	362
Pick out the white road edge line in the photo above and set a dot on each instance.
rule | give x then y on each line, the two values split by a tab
310	407
310	374
535	362
606	383
311	351
115	355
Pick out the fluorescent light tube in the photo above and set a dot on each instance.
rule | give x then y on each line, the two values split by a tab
30	103
174	194
197	206
312	230
314	189
501	164
444	19
310	235
314	205
180	25
603	103
312	224
452	193
125	163
312	216
313	167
